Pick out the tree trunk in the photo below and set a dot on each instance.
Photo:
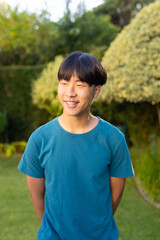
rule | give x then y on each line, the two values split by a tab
158	111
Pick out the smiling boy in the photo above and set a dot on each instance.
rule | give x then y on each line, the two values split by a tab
77	163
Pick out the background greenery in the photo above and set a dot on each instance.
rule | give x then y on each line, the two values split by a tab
133	62
15	93
46	39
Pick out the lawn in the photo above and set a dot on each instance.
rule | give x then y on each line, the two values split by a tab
136	219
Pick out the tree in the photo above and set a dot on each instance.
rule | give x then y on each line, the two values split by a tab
85	31
26	38
14	29
44	89
91	31
133	62
30	39
121	11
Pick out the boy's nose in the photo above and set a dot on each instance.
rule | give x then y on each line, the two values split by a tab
71	91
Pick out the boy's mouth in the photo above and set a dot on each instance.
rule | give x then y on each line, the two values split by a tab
71	104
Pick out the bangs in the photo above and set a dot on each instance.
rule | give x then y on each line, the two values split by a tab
84	66
68	68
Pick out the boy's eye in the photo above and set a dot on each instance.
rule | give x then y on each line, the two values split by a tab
79	85
64	83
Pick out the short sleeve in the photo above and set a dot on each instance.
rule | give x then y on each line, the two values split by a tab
30	163
121	165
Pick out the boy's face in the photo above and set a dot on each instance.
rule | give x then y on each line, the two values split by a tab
75	96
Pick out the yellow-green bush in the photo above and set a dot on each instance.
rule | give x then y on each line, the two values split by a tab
98	52
133	62
44	89
14	147
9	150
19	146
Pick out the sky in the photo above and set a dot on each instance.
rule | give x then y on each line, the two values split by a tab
55	7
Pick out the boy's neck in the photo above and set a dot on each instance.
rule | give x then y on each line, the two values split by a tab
78	124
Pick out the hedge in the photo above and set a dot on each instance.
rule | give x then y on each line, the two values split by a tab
15	92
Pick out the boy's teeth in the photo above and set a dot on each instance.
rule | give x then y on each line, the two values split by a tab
71	103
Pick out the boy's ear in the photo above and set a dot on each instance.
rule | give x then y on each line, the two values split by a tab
97	91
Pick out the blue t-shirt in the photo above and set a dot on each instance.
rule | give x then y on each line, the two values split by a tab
77	170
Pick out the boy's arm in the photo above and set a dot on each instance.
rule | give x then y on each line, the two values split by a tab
36	187
117	186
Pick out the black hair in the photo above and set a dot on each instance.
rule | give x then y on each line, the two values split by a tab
85	66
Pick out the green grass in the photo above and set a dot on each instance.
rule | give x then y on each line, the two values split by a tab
136	219
17	217
147	168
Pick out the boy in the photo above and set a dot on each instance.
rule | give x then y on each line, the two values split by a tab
77	163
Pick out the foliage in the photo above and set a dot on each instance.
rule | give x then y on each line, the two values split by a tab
139	126
46	39
9	150
14	147
19	146
3	122
121	12
74	35
133	62
44	89
25	38
15	91
147	168
98	52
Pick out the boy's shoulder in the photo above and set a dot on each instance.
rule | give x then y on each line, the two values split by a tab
45	129
110	129
111	133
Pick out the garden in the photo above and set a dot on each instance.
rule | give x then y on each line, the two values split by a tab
127	42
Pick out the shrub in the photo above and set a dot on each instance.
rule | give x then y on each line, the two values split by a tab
15	93
44	89
9	150
14	147
19	146
98	52
132	61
